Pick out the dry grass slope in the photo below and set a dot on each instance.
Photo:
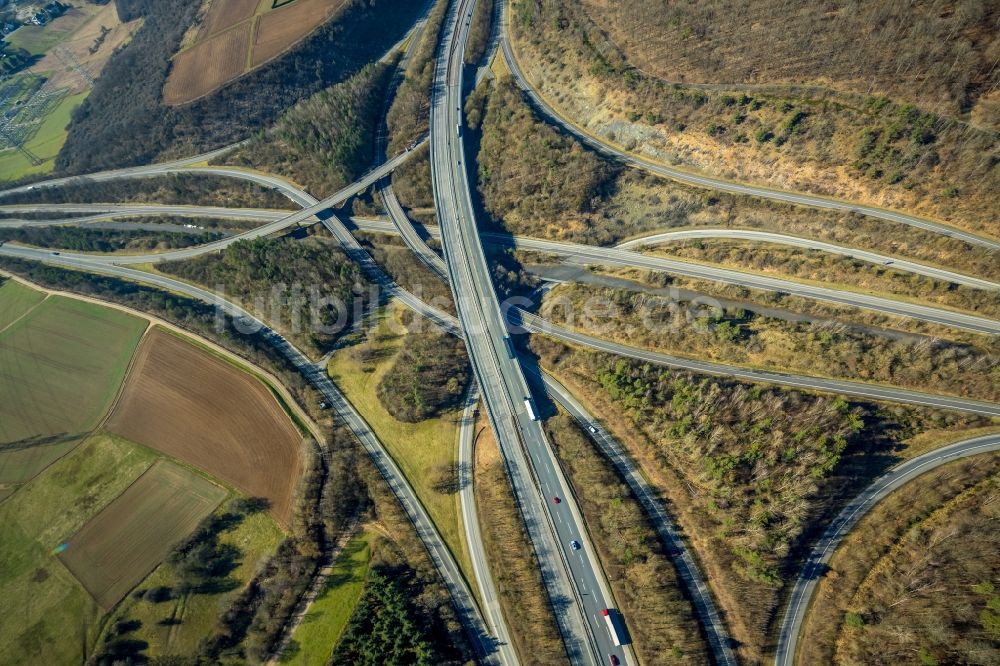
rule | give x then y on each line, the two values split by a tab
199	409
939	54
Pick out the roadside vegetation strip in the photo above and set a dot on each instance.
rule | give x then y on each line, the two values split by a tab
316	638
872	539
184	402
521	591
122	544
816	562
176	618
61	366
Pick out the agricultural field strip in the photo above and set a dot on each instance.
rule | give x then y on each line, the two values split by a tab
855	510
63	365
604	147
116	549
253	445
439	553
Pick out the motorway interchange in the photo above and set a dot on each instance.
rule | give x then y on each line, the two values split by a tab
570	568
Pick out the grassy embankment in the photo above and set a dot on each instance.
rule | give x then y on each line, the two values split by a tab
315	639
420	449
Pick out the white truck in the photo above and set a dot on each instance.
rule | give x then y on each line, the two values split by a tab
529	406
609	619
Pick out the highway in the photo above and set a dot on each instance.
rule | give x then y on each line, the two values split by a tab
442	558
473	535
413	239
687	567
97	212
119	174
574	580
313	209
688	571
608	149
536	324
815	564
797	241
605	256
593	255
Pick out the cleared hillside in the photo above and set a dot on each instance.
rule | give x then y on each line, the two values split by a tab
941	55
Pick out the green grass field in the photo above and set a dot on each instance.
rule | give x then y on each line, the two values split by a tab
48	616
177	625
129	538
15	300
56	616
315	638
45	144
60	368
418	448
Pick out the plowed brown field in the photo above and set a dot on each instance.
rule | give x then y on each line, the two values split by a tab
199	409
208	65
223	45
225	13
113	552
279	29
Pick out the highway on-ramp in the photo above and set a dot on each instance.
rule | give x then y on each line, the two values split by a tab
536	324
815	564
810	244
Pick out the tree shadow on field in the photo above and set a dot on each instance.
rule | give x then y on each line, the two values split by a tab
39	441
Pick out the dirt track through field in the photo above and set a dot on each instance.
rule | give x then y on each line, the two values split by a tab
197	408
225	13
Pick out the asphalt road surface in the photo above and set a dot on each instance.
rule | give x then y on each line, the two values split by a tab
815	565
573	578
796	241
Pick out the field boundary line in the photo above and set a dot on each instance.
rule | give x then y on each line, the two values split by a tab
26	313
120	391
246	363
